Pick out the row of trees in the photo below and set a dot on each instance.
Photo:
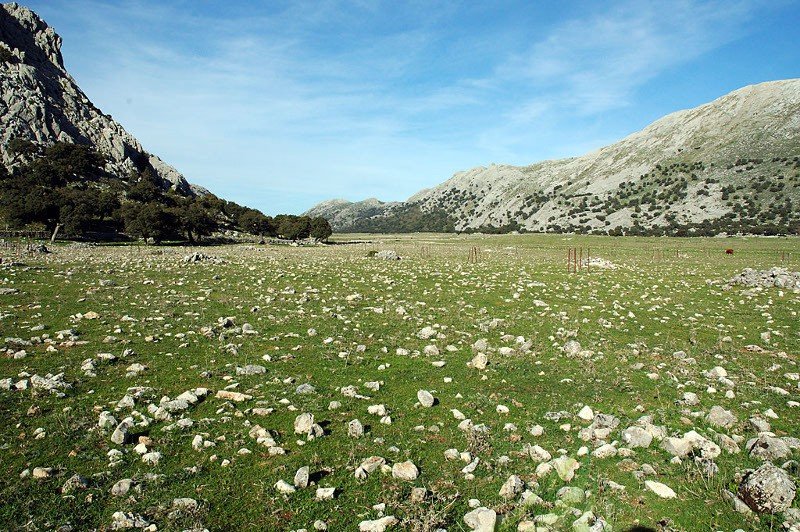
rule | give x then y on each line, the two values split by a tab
65	185
286	226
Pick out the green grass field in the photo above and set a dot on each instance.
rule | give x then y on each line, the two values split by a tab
665	295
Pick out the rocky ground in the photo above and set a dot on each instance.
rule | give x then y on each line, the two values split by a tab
326	388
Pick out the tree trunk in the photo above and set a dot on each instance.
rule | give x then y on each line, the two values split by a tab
55	233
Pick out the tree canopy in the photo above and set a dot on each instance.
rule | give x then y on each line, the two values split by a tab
65	184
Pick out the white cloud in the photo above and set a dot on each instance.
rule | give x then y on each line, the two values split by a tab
597	62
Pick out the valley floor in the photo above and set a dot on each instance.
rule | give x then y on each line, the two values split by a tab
138	389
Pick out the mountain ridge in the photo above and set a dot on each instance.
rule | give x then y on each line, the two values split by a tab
691	152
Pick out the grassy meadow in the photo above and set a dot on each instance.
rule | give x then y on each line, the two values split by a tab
337	319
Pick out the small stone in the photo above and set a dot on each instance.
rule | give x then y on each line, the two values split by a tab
305	389
425	398
418	494
377	410
152	458
605	451
121	487
284	487
691	399
355	429
538	454
426	333
236	397
481	519
42	472
737	503
719	417
479	361
107	420
377	525
767	447
185	504
662	490
369	466
759	424
636	437
325	494
512	487
75	482
120	434
301	477
572	348
122	521
303	423
571	496
405	471
251	369
565	467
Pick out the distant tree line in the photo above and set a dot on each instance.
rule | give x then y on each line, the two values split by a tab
64	185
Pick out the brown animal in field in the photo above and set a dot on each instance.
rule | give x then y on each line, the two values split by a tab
729	251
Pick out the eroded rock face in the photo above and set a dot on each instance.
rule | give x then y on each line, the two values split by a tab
40	102
768	489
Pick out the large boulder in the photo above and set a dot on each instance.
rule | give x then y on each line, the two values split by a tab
636	437
719	417
768	447
768	489
387	254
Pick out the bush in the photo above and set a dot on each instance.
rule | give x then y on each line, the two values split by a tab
293	227
255	223
195	219
148	220
6	56
320	229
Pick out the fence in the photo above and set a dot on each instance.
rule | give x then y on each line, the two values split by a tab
574	263
32	235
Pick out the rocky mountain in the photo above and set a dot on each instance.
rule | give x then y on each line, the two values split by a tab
40	102
343	213
727	166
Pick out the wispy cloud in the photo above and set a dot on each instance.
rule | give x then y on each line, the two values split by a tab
596	63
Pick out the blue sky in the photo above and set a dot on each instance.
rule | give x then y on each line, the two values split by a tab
278	105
